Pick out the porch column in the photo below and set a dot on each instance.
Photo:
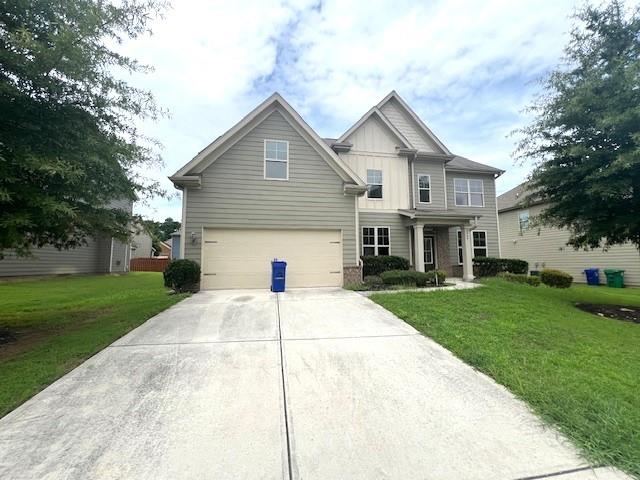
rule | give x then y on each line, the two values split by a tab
467	253
418	251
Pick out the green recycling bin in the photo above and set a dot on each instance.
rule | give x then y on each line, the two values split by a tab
615	277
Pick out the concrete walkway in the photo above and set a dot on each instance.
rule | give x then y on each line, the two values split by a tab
309	384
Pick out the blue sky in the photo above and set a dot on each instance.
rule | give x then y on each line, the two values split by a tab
467	68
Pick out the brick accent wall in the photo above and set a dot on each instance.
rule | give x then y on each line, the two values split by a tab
442	251
352	274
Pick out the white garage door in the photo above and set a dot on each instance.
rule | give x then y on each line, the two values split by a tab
234	258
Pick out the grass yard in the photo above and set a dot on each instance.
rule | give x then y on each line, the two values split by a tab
49	326
578	371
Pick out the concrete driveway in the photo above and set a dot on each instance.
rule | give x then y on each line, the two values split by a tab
309	384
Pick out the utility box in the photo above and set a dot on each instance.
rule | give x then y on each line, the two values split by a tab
278	275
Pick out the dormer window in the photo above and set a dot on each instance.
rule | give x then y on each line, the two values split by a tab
374	184
276	160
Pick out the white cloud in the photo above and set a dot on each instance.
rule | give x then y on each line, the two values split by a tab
465	67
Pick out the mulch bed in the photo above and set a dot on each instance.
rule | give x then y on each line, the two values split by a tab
618	312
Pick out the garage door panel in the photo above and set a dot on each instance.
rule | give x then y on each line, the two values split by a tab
242	258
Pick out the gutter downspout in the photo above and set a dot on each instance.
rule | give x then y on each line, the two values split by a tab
413	184
111	257
357	218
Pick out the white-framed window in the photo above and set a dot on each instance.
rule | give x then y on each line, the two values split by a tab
479	243
276	159
424	188
523	220
469	192
376	241
374	184
479	248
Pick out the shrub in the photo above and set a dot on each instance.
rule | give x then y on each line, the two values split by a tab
372	265
491	266
520	278
412	278
182	275
373	281
439	274
556	278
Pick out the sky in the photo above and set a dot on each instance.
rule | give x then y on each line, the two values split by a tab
468	69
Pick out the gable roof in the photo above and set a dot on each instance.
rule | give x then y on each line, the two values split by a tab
462	163
517	197
393	95
375	111
189	173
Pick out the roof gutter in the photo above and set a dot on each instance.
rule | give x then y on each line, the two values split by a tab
186	181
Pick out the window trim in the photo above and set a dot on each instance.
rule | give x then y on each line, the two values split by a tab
375	236
265	159
428	189
459	244
522	230
468	193
486	239
381	183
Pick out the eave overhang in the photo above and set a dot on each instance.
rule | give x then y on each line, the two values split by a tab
181	181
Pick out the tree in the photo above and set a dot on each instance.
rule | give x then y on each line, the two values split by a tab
585	139
69	147
168	227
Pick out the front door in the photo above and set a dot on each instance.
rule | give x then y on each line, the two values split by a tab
429	253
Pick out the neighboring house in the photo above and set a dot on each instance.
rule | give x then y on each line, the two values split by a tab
270	187
546	247
101	255
141	244
165	249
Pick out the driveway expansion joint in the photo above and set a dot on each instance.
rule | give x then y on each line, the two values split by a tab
284	390
211	342
558	473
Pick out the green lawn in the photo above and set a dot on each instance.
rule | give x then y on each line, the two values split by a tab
60	322
578	371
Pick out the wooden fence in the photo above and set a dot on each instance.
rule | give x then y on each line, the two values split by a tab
148	264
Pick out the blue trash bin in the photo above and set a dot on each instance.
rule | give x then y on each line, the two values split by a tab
593	276
278	274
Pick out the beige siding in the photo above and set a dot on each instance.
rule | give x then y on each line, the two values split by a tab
399	234
407	126
234	193
51	261
373	136
434	169
487	218
545	247
395	187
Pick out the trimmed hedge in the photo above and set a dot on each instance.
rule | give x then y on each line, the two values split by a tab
556	278
182	276
412	278
491	266
520	278
375	265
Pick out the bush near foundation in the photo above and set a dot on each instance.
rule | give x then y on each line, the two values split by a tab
182	276
375	265
556	278
491	266
520	278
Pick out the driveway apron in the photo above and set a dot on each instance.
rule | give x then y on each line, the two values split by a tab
307	384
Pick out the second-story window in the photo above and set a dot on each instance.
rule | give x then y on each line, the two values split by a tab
468	192
374	184
523	220
276	160
424	188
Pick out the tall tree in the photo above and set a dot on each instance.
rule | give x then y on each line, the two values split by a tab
69	147
585	139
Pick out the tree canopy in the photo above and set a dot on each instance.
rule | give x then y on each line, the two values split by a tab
69	147
585	139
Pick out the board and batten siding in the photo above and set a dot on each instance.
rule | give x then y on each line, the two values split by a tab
399	234
234	193
545	247
435	170
487	217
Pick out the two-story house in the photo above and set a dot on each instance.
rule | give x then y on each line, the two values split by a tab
270	187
